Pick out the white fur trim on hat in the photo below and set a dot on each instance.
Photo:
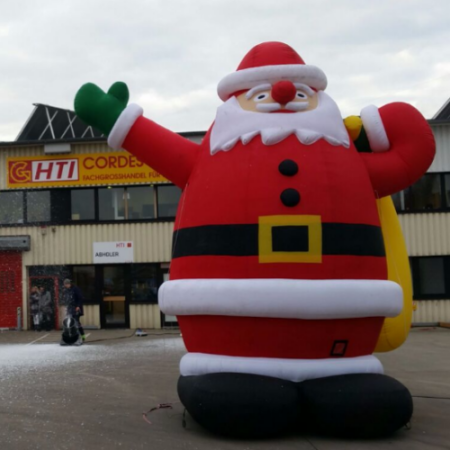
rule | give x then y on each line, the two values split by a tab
282	298
193	364
247	78
123	125
374	128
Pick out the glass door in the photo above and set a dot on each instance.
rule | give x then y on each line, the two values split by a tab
168	320
114	304
48	287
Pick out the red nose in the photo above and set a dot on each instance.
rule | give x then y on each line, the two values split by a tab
283	92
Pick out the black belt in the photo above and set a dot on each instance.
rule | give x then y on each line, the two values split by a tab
242	240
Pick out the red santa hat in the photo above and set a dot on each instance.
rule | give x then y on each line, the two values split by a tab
270	62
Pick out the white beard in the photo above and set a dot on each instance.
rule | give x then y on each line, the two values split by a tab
234	123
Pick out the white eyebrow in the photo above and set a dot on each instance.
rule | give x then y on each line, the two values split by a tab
305	88
259	88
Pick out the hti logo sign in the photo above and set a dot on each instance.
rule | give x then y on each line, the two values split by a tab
54	170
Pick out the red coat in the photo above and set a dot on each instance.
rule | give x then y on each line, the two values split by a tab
232	202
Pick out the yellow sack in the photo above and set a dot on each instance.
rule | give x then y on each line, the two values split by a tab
395	330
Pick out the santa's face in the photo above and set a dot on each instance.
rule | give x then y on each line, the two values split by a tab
282	97
315	116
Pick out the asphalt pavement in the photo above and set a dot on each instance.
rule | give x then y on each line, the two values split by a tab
94	396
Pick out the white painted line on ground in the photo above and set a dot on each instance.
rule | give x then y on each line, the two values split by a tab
42	337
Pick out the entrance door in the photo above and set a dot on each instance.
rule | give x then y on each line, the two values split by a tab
114	299
50	284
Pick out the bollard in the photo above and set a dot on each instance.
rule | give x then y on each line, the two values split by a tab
19	318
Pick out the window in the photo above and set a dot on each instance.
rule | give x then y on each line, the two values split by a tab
430	193
111	202
84	278
82	204
430	277
425	194
140	202
38	206
105	204
11	207
447	189
145	282
168	198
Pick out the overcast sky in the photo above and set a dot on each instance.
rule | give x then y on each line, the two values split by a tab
172	53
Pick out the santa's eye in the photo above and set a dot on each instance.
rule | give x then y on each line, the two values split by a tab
261	96
301	95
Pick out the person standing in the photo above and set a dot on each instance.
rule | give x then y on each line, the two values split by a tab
34	308
73	300
46	308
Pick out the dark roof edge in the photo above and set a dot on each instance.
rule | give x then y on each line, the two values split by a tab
54	107
439	121
28	120
186	134
441	109
51	141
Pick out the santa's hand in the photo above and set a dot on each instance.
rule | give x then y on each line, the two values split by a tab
100	109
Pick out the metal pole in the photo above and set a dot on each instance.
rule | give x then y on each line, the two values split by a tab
19	318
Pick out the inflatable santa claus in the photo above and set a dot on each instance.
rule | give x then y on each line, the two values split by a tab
279	276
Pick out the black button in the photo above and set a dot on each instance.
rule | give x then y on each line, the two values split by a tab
288	167
290	197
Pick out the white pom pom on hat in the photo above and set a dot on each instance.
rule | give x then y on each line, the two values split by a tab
270	62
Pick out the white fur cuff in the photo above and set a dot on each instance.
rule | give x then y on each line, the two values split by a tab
247	78
296	370
373	125
282	298
123	125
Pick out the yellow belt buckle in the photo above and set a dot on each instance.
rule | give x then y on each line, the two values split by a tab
266	253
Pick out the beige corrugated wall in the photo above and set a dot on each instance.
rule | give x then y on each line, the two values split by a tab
428	235
432	311
73	244
91	318
145	316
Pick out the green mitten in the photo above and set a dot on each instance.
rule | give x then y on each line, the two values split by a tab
100	109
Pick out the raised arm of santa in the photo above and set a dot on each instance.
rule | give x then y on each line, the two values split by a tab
402	145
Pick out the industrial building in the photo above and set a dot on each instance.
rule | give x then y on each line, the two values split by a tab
424	212
70	207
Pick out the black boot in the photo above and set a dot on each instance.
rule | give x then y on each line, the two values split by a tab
240	405
356	405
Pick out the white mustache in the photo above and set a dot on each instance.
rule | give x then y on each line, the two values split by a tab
267	107
291	106
296	106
